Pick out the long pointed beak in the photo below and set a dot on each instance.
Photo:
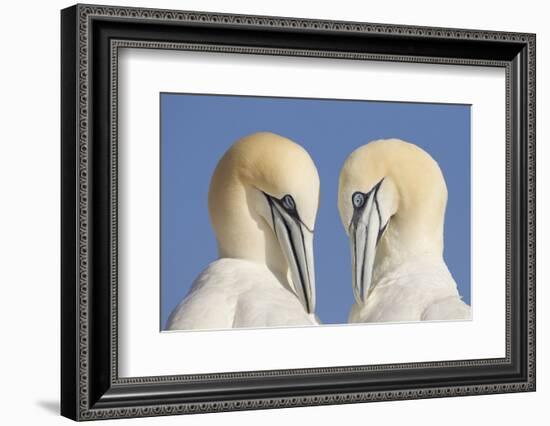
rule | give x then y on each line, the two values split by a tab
363	235
296	241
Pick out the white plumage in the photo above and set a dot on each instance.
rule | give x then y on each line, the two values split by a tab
233	293
414	291
262	201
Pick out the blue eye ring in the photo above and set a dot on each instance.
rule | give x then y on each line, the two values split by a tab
288	202
358	199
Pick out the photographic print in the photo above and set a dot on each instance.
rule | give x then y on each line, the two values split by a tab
280	212
347	208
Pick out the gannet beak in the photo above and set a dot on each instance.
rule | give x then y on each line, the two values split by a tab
365	231
296	241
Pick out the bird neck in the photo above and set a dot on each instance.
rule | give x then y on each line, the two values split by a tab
404	244
242	233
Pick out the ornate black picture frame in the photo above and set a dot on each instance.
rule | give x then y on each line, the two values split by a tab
91	36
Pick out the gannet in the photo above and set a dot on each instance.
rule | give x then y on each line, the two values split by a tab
392	198
262	201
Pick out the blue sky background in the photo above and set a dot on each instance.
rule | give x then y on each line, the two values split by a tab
197	129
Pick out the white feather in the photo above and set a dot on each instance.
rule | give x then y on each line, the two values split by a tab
233	293
414	291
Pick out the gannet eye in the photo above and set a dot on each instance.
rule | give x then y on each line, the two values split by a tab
358	199
288	202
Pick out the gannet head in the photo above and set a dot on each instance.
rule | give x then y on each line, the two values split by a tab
269	183
391	198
